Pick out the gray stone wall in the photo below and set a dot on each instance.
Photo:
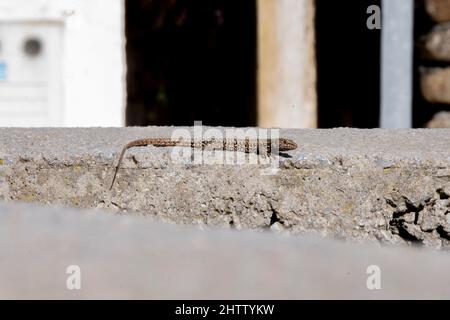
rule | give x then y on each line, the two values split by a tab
435	47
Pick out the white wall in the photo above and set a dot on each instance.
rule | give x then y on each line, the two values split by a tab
93	56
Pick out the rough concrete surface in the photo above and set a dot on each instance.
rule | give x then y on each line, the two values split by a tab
129	256
389	186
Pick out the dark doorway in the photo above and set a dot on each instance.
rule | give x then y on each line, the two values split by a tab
348	62
191	60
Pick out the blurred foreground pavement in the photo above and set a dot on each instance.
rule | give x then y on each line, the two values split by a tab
134	257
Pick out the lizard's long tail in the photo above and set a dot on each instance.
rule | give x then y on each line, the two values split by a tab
135	143
127	146
157	142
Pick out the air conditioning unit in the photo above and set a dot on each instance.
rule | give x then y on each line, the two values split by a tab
62	63
31	73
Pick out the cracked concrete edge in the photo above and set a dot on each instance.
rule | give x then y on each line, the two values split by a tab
389	186
128	256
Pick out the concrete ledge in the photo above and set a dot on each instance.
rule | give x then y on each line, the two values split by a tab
391	186
129	256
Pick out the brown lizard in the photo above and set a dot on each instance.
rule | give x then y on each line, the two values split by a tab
259	146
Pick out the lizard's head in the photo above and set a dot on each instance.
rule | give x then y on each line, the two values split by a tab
287	144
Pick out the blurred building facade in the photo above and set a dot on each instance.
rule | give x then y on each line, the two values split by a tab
270	63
